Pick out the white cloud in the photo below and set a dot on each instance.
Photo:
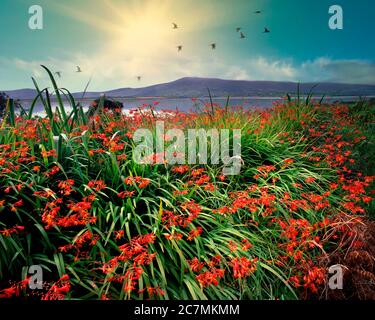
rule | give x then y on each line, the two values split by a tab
262	69
346	71
110	71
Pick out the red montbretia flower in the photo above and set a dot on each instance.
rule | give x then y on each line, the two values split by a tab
195	265
17	204
52	171
209	187
15	289
138	181
309	180
59	289
246	245
243	267
233	246
13	230
211	277
180	169
9	292
180	192
119	234
193	209
174	236
97	185
66	187
215	260
50	153
195	233
126	194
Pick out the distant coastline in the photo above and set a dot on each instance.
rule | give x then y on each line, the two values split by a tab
198	88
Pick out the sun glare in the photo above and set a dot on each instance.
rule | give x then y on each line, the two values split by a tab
143	31
138	40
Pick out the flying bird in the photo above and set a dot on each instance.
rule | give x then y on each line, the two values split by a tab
175	26
179	48
258	12
58	73
139	78
242	36
213	46
238	29
266	30
79	69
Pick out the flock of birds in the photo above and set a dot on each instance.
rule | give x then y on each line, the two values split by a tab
238	30
179	47
59	73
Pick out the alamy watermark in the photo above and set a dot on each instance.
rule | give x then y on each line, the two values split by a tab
35	279
335	281
336	20
36	18
152	148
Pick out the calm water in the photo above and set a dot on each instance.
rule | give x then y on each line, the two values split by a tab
186	104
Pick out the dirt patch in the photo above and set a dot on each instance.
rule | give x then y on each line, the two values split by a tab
358	265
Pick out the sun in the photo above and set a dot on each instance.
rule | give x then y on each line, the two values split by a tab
144	30
138	40
137	27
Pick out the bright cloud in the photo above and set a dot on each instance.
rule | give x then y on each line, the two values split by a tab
109	71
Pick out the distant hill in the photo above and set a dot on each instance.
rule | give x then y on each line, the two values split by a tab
22	94
197	87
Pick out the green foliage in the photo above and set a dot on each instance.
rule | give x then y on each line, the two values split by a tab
279	152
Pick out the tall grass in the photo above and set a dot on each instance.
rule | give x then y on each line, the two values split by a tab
266	224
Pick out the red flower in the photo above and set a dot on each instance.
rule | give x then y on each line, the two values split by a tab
246	245
19	203
10	231
195	265
210	277
119	234
196	172
294	281
53	171
50	153
143	183
122	157
232	246
139	181
175	236
180	169
195	233
309	180
126	194
9	292
180	192
66	187
209	187
214	261
193	209
58	290
97	185
243	267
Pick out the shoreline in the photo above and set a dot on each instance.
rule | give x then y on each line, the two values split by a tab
217	98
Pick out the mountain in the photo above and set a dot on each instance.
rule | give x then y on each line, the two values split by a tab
21	94
197	87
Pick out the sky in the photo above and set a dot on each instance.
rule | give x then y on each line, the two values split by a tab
114	41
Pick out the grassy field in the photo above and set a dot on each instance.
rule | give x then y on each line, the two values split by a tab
101	226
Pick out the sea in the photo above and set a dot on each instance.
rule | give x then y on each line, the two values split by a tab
186	104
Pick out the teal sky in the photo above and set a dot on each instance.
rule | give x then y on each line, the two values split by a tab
114	41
